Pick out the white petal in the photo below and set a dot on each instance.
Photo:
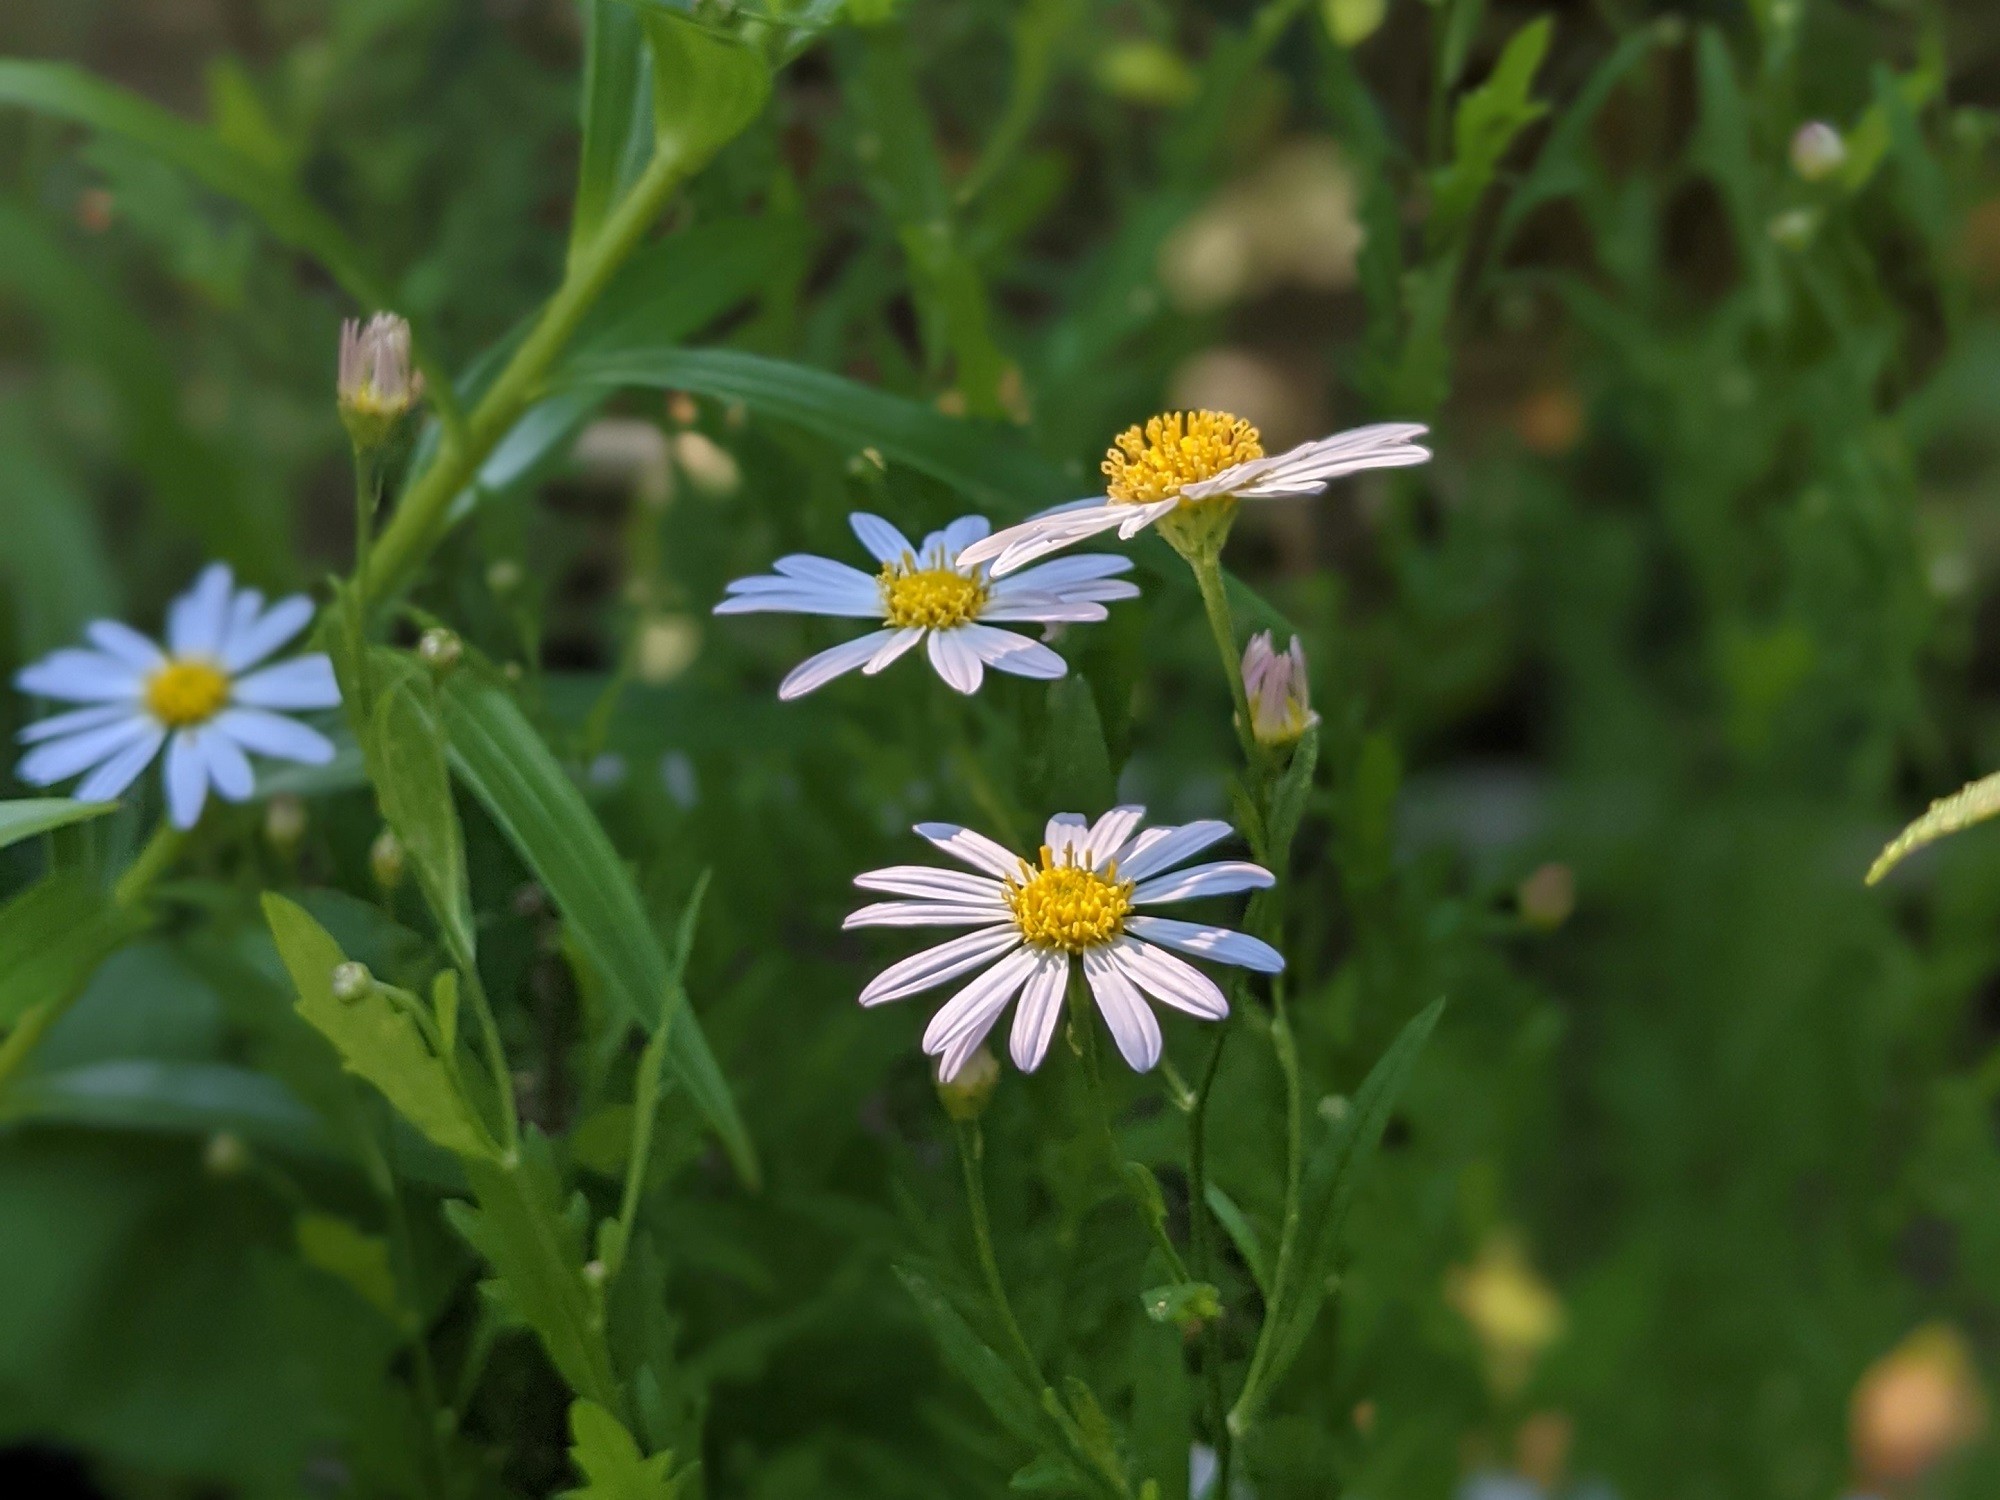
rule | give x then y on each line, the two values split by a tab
933	884
274	735
75	722
227	767
1309	467
1063	830
1162	848
817	671
926	914
115	638
1220	945
302	682
1133	1025
1008	652
58	760
187	779
1013	549
1040	1008
1223	878
252	642
243	611
74	676
117	773
195	621
956	662
899	641
879	537
962	1022
1139	517
791	597
962	533
1055	577
1044	609
975	849
1109	833
805	567
1168	979
932	967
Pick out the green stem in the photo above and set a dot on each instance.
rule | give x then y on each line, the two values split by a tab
1215	604
152	862
419	521
435	1417
1249	1401
1201	1242
1085	1034
972	1157
496	1052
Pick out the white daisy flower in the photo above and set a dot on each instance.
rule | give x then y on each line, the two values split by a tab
1181	459
929	592
1084	902
198	697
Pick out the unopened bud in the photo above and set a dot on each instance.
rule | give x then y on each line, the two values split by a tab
967	1092
440	649
376	385
386	859
1818	151
225	1154
1547	897
352	982
1280	696
594	1272
1794	228
504	576
284	822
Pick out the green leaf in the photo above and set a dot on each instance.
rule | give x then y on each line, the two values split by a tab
1243	1234
376	1038
988	465
329	1243
1488	120
1973	803
520	1229
53	936
70	93
608	1457
706	88
1012	1403
24	817
616	99
1334	1167
406	761
1076	766
503	763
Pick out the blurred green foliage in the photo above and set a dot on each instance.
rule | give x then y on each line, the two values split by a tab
1696	602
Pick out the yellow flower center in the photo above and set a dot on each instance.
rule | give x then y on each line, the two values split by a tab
929	598
1067	906
186	692
1179	448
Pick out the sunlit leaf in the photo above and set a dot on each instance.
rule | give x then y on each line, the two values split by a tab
1973	803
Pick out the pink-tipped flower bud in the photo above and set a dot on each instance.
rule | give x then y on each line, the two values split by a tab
1280	697
1818	151
376	385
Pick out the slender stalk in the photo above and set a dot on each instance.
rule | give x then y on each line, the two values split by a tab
1250	1399
972	1158
1201	1244
496	1053
153	861
1215	603
419	521
436	1417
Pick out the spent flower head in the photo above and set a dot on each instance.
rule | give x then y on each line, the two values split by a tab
204	697
1186	471
376	384
1082	902
1280	696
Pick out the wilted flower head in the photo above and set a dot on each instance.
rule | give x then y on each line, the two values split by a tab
376	383
1916	1406
1818	151
1280	697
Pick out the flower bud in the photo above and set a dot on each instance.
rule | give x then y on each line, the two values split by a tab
1280	696
440	649
284	822
503	576
1818	151
352	982
225	1154
967	1092
376	386
386	860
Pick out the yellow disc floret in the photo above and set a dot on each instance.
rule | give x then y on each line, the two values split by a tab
1069	907
929	598
186	692
1179	448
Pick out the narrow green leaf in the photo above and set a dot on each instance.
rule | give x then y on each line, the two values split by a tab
1013	1405
329	1243
706	88
376	1039
1488	119
53	936
1973	803
609	1459
406	760
521	1230
1243	1234
615	97
503	763
1076	766
25	817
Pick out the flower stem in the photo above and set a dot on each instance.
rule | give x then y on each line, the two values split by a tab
1215	603
152	862
1250	1399
1201	1243
972	1157
420	520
